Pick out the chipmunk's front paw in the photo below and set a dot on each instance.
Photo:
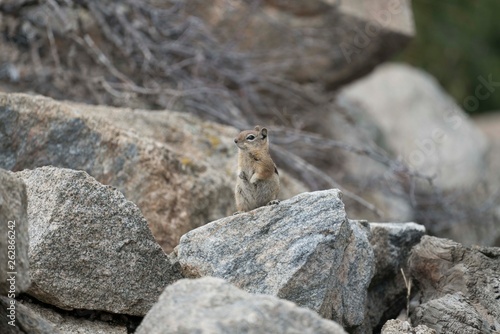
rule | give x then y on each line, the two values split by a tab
274	202
237	213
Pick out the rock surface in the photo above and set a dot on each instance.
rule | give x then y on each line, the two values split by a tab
459	286
354	276
74	325
392	243
332	42
175	194
303	250
211	305
14	237
90	248
26	321
404	327
423	125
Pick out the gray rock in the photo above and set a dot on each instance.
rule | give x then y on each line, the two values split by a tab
452	313
25	322
14	237
403	327
176	193
70	324
424	126
392	243
211	305
90	248
355	274
459	286
303	250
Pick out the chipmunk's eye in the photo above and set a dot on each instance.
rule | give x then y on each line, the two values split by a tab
250	137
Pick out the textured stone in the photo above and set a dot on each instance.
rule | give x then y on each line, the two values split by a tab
175	193
355	272
404	327
392	243
452	313
90	248
424	126
303	250
13	234
70	324
26	321
211	305
459	286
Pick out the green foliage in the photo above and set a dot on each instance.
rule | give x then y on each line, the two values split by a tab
457	41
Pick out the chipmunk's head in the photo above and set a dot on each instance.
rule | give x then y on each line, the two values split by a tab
251	140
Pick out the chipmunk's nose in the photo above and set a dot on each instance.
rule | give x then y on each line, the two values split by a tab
236	140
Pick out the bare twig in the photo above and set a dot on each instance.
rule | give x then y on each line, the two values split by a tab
310	173
408	293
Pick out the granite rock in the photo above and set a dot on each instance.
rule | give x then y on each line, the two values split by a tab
90	248
304	250
14	237
387	294
459	286
211	305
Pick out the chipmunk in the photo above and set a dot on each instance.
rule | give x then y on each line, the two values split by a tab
258	180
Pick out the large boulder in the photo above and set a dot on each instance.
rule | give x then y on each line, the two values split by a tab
422	124
459	286
304	250
175	194
90	248
332	42
14	237
211	305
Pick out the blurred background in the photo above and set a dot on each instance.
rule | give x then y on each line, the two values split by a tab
456	41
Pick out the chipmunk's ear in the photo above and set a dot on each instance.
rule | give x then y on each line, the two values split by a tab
257	128
263	133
